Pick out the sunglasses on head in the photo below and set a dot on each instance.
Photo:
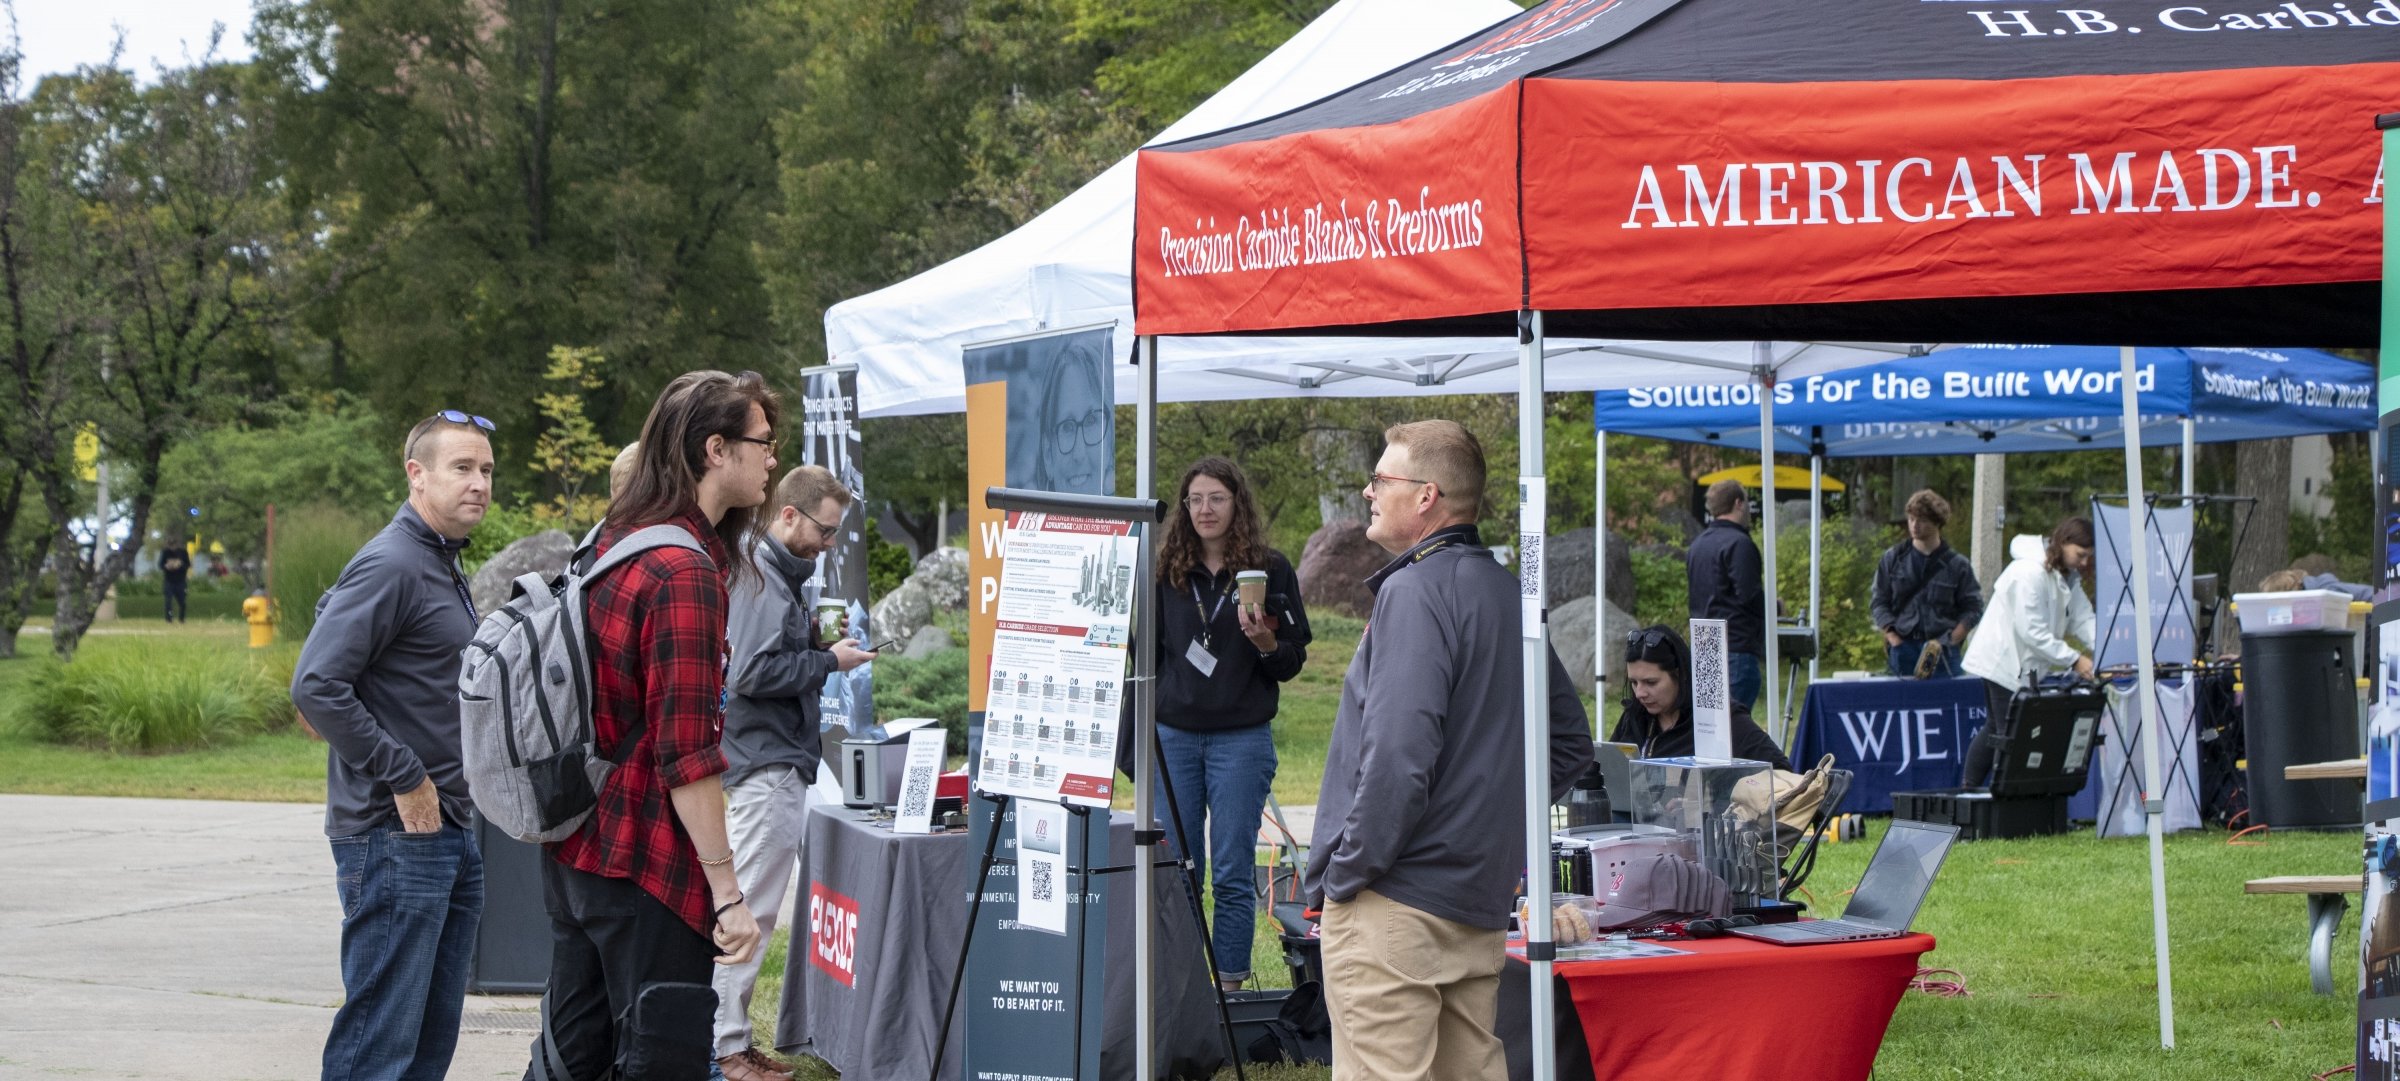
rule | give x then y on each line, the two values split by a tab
1643	642
458	417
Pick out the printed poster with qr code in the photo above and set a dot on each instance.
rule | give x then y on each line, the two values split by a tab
1064	621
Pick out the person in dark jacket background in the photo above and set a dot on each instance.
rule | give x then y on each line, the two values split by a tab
1727	580
1925	594
378	678
1658	714
1220	667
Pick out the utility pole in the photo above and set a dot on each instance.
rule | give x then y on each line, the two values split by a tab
1988	540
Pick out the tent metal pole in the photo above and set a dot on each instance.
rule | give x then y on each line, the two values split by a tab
1531	501
1599	568
2190	434
1816	551
1763	357
2154	803
1145	716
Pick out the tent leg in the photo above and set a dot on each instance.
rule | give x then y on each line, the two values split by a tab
1763	367
2153	797
2190	435
1535	630
1144	735
1816	553
1599	567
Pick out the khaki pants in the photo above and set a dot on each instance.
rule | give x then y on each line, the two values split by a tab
1411	995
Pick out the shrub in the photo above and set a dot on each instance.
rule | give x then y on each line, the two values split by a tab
506	524
888	565
1661	590
312	545
932	686
168	695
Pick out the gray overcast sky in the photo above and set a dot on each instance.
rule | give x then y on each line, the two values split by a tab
57	35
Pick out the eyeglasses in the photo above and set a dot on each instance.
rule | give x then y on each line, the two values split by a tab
774	446
1089	428
1378	480
454	416
823	531
1212	501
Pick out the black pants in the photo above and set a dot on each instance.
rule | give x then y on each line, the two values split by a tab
608	938
1986	746
175	602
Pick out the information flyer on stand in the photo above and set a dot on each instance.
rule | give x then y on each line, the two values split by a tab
1064	620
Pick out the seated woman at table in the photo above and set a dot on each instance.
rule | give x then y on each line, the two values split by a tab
2037	604
1658	717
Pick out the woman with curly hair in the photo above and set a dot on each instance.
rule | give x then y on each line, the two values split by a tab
1219	669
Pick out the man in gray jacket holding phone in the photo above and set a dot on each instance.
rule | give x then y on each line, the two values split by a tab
1420	835
776	668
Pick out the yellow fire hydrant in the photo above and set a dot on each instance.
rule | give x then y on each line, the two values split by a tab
260	613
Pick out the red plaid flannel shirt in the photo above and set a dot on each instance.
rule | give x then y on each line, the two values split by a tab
658	624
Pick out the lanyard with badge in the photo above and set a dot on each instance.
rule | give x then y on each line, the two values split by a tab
1198	651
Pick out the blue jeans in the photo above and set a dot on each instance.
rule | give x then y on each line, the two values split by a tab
1743	673
1222	777
410	905
1901	659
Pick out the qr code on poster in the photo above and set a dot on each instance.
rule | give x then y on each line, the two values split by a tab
1529	564
917	797
1039	885
1708	664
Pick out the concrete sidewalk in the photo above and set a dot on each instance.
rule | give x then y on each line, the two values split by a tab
184	939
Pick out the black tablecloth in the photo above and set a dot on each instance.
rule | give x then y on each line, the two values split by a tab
911	894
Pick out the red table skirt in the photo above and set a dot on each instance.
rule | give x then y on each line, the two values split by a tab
1737	1009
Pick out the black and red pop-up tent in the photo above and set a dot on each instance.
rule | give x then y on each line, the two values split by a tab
2150	172
1891	170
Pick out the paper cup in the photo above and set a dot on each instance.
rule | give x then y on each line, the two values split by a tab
1253	587
829	620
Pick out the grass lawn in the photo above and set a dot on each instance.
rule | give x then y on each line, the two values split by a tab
285	766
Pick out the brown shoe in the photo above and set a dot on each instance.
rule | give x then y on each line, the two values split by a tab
767	1062
749	1065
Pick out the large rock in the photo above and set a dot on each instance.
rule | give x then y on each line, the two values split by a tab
929	640
1570	570
938	584
544	553
1571	635
1335	565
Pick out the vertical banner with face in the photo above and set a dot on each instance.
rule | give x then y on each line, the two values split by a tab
829	437
1041	415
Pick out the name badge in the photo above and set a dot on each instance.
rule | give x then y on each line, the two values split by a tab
1201	659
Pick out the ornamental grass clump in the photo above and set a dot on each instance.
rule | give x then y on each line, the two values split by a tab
164	696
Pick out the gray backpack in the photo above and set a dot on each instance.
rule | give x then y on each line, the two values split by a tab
525	697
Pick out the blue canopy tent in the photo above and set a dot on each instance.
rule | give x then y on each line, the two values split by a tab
2002	399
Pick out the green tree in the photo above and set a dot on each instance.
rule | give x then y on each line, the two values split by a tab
570	451
177	216
510	174
331	449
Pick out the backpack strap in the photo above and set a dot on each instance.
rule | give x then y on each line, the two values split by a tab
633	544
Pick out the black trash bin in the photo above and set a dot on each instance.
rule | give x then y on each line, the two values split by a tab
2299	704
512	947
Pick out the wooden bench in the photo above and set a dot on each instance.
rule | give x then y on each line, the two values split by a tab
2346	769
2326	903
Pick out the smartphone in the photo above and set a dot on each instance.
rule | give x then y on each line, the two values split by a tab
887	644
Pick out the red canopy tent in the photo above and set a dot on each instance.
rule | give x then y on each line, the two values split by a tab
1892	170
2155	172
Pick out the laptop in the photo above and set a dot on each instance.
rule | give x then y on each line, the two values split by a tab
1888	896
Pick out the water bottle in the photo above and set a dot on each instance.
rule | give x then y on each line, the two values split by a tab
1587	802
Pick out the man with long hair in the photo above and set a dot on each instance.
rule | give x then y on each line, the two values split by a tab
645	893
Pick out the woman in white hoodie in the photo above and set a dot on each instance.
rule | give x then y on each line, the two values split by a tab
2035	607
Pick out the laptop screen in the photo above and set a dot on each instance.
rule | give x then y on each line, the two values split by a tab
1900	875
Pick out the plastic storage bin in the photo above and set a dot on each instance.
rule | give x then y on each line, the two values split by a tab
1982	816
2293	612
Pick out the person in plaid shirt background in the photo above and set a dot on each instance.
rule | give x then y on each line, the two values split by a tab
645	891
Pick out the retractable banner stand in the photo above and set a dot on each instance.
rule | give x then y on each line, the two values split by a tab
2379	913
830	438
1050	615
2171	621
